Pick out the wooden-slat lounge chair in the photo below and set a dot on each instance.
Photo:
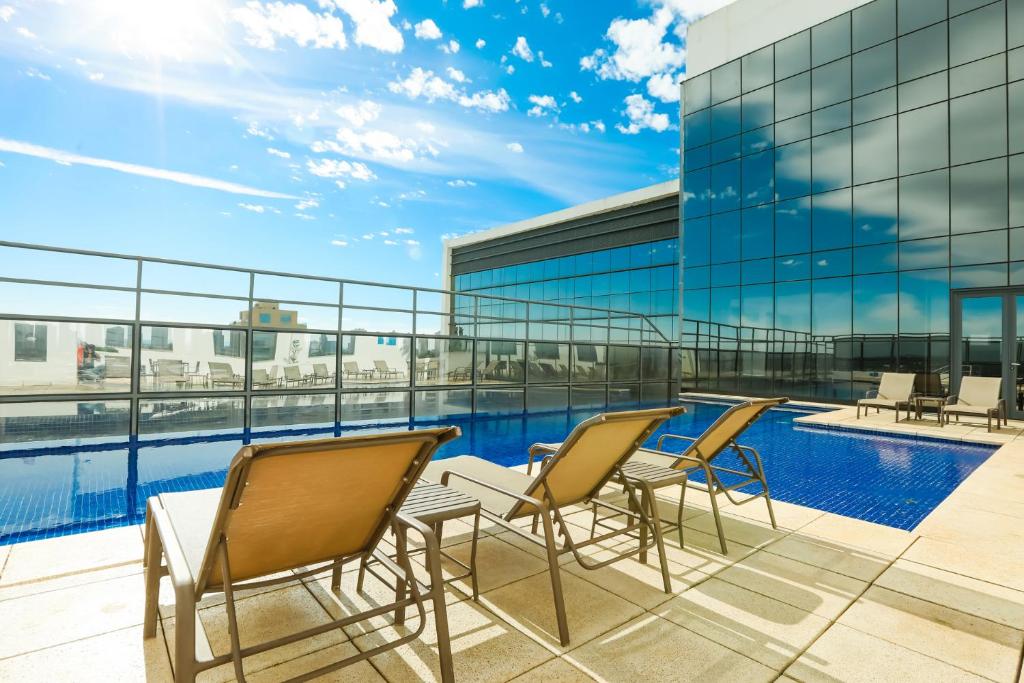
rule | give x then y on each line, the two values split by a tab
299	509
895	391
574	474
978	397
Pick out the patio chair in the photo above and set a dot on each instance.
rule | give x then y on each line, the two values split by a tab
293	376
894	392
169	371
978	397
296	509
575	473
261	379
384	371
117	367
321	375
222	374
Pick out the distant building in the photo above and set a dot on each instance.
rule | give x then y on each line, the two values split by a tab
271	315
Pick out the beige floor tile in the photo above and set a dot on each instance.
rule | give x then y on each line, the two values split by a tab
737	530
5	550
845	654
51	618
654	649
995	563
122	655
852	562
881	540
355	673
484	648
498	564
805	586
766	630
50	557
166	599
641	584
528	604
556	670
964	525
702	551
787	515
260	618
976	645
22	589
962	593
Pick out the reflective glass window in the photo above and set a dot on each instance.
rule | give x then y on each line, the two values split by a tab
830	160
697	92
725	82
725	119
874	304
830	84
874	106
831	263
1015	22
758	68
795	267
830	118
725	186
793	55
697	197
698	278
875	258
758	140
922	53
758	108
758	178
1015	62
927	253
874	23
978	198
924	91
754	272
1017	190
830	40
757	232
923	135
831	220
725	305
725	150
982	247
992	275
915	14
874	151
875	216
793	170
1015	92
725	237
979	75
831	306
874	69
1017	244
977	34
793	306
696	304
792	227
793	130
924	301
977	126
697	128
758	305
924	205
792	96
725	274
960	6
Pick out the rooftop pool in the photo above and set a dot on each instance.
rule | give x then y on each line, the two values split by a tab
55	490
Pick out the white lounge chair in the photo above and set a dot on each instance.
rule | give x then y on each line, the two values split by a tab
978	397
894	392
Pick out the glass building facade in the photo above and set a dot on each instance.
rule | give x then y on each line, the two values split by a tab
838	184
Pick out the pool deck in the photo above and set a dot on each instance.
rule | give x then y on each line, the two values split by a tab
823	598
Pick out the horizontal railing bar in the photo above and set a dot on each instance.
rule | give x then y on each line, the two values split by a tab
62	283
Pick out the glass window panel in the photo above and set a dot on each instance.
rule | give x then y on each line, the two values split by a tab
1017	273
994	275
960	6
1017	190
590	398
756	272
793	55
977	34
978	75
978	198
831	220
793	170
725	150
793	306
547	399
874	69
696	242
547	362
725	186
797	267
757	232
293	410
924	205
725	119
725	82
725	305
192	359
696	304
875	213
978	126
623	363
369	361
876	258
832	263
725	274
697	128
697	92
792	96
1015	62
830	40
914	14
792	227
924	91
175	416
499	362
439	361
922	53
697	197
758	305
983	247
1016	104
1017	244
758	68
875	304
830	118
923	136
831	306
758	178
49	421
1015	22
830	83
758	140
874	23
874	106
924	301
499	401
725	237
874	151
444	404
758	108
831	160
927	253
293	359
793	130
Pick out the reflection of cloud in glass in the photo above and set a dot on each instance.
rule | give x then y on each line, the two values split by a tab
924	301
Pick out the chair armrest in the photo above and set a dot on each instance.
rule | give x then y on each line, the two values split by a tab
680	437
538	449
871	393
177	565
447	474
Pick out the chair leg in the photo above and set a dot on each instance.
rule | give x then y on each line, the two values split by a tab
644	504
432	556
336	576
152	556
651	504
401	540
184	635
714	509
472	556
556	579
680	513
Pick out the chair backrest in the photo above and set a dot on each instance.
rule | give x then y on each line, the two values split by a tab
118	367
288	505
896	386
220	370
728	427
273	372
980	391
292	372
319	370
351	366
167	367
588	457
260	376
381	365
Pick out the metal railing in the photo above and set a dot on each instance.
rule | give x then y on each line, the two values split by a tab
62	294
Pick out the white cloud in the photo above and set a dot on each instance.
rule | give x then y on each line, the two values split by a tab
411	195
543	62
70	158
456	75
254	130
427	30
480	43
339	243
340	183
514	147
640	112
278	153
452	48
486	100
640	49
25	33
264	23
360	113
575	97
307	203
411	243
510	69
258	208
33	72
459	182
423	83
335	168
543	105
522	49
391	243
305	216
664	87
373	23
469	4
545	10
426	127
95	75
404	231
6	12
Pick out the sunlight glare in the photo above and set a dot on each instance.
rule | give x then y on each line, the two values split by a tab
181	30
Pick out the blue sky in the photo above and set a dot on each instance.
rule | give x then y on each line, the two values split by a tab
336	137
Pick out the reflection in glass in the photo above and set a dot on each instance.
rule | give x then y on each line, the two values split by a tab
875	304
915	14
994	275
924	205
192	417
831	220
874	151
192	359
792	227
831	302
923	135
792	96
697	92
547	362
793	306
758	174
793	170
979	75
977	34
830	83
922	53
874	106
499	401
443	404
374	407
874	23
875	213
977	126
875	258
830	160
725	82
830	40
623	363
292	410
793	130
793	55
58	420
758	68
927	253
547	399
831	118
981	334
499	362
923	91
375	361
757	232
655	363
758	108
725	119
758	305
725	237
832	263
982	247
293	359
978	198
725	186
725	305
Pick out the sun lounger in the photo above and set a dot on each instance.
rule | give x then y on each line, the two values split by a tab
894	392
978	397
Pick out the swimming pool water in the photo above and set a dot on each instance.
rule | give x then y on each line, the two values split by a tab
894	481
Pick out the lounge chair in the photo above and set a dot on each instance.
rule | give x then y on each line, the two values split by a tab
350	369
574	474
321	375
382	369
894	392
261	379
293	376
295	509
117	367
978	397
221	374
169	371
699	456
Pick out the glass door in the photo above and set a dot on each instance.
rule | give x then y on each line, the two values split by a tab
988	341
